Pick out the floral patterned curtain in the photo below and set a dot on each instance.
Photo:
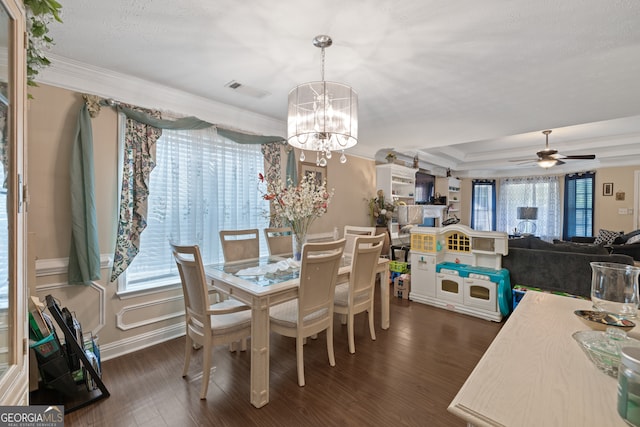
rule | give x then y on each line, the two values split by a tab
272	154
139	160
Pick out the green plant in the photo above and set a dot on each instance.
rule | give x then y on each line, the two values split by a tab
40	14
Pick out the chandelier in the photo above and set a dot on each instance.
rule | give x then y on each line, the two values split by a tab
322	116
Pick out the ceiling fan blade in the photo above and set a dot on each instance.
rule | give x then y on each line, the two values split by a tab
559	162
523	160
580	157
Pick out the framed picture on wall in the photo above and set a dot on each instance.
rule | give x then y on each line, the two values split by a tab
318	172
607	189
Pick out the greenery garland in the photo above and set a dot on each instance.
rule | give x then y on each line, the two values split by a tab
40	14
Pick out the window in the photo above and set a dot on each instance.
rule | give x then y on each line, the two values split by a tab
202	183
578	205
542	192
483	205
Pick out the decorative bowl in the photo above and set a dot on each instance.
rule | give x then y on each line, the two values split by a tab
603	348
601	320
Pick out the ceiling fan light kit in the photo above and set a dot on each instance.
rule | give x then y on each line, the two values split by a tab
548	157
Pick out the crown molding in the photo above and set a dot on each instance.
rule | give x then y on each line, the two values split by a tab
80	77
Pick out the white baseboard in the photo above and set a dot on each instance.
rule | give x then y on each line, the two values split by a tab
139	342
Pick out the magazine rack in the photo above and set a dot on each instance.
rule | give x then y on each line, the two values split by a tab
80	397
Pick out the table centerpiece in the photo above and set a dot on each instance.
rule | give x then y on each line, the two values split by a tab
297	206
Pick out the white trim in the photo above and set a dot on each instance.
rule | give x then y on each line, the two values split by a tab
53	266
77	76
46	289
141	341
122	325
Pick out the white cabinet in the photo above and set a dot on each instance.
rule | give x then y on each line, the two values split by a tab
398	182
454	197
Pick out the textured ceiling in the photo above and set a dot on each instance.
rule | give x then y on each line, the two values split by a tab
467	85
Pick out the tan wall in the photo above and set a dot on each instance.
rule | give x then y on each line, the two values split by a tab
606	215
124	323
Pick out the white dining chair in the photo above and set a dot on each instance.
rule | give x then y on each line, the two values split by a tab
240	244
356	296
312	311
351	232
207	325
279	241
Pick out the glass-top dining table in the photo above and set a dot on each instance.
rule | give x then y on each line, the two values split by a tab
250	282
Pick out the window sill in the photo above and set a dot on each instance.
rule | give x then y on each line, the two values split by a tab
149	289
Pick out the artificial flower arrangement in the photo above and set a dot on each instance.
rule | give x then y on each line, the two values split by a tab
380	210
297	206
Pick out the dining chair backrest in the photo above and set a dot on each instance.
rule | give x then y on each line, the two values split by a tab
318	274
240	244
279	241
194	283
366	253
351	232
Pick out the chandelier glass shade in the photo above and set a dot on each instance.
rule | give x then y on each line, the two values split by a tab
322	116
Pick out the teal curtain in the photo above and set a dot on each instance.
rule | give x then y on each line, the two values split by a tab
84	255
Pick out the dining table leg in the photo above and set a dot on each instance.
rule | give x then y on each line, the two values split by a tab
260	352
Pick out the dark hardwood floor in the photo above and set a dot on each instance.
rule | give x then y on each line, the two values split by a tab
407	377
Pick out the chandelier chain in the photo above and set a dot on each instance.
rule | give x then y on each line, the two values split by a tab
322	74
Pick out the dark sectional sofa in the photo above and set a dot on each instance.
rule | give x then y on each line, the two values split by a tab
618	246
562	267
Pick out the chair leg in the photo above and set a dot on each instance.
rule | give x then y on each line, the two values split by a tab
371	328
206	371
350	334
243	344
187	354
343	319
332	356
300	360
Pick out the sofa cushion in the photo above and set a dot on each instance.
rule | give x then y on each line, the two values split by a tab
541	244
581	248
624	238
606	237
554	270
522	242
633	239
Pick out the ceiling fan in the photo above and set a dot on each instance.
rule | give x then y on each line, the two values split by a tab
549	157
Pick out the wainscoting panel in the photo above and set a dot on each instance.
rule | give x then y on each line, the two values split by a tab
142	314
87	302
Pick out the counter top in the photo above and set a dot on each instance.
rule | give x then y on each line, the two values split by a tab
534	373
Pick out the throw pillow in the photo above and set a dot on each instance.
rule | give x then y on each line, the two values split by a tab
633	239
626	237
606	237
